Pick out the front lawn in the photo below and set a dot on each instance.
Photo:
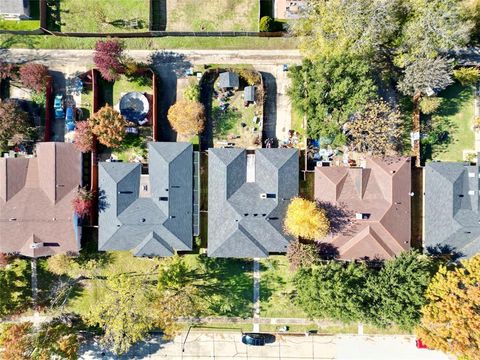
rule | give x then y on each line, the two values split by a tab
277	289
124	85
457	108
102	16
15	25
216	15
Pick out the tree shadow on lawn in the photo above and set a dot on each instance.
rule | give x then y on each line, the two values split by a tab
271	281
228	284
224	121
453	99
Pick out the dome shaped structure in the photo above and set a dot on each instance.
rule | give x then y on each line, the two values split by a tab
134	106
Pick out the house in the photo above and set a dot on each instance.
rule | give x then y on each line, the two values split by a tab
249	94
248	195
228	80
371	204
36	194
15	9
148	214
452	216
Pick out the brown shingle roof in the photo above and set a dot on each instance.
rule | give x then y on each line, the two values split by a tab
381	189
35	201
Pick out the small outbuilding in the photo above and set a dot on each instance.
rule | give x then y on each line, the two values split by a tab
228	80
15	9
249	94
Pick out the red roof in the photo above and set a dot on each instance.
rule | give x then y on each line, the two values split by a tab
36	214
380	191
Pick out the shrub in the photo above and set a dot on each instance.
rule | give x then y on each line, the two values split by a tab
252	77
108	125
7	70
428	105
14	124
267	24
109	58
83	140
304	219
34	76
467	76
192	92
187	117
301	255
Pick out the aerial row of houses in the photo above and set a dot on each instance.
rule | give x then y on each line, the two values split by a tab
154	211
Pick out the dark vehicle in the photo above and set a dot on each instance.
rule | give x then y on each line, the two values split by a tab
58	106
257	339
69	116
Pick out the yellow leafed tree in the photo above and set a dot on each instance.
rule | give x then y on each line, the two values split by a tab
304	219
187	117
451	318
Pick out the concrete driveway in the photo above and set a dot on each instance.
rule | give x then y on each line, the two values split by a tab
228	345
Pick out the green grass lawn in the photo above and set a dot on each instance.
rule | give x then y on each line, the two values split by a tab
134	147
223	43
458	108
277	289
86	103
307	186
19	25
124	85
215	15
103	16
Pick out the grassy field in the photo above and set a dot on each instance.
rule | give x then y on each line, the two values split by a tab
19	25
458	108
214	15
124	85
276	289
101	16
241	42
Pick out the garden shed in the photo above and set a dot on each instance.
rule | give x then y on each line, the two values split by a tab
229	80
249	93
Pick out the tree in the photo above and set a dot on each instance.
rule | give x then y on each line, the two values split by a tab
17	342
109	58
14	123
467	76
83	139
301	255
428	105
83	202
187	117
60	264
329	91
396	293
266	24
424	76
304	219
377	130
34	76
358	27
14	285
332	290
451	318
7	70
192	92
124	312
108	125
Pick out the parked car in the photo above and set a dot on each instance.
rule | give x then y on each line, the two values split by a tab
70	115
58	106
257	339
285	67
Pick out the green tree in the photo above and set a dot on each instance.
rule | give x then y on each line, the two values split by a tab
467	76
192	92
332	290
329	91
266	24
396	293
124	312
428	105
14	285
451	317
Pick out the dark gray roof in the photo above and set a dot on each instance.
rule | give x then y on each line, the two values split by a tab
249	93
452	216
15	7
228	80
241	223
151	215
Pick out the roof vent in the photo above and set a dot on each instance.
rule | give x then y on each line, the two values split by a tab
163	198
125	192
12	219
246	214
36	245
255	214
59	185
143	220
263	195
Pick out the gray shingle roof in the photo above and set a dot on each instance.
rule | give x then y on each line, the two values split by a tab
249	93
452	215
240	222
228	80
151	215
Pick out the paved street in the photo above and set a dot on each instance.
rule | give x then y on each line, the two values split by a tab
201	345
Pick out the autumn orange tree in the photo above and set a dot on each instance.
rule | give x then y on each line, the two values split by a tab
451	317
306	220
187	117
83	140
108	125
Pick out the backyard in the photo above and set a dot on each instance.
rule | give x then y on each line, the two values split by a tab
218	15
457	108
100	16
